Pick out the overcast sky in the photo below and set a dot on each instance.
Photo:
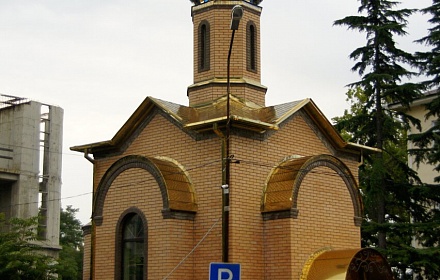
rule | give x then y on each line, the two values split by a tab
99	59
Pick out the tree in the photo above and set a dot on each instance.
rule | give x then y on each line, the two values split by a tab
407	216
71	256
21	257
382	68
395	199
428	142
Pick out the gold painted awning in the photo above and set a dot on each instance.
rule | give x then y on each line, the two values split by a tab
279	186
351	264
281	190
180	191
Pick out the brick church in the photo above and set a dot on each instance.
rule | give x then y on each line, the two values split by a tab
226	179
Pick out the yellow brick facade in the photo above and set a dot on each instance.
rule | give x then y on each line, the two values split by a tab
274	249
179	244
211	83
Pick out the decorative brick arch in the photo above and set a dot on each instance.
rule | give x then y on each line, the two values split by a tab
155	167
280	197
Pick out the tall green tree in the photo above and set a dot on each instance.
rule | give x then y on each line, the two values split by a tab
428	142
395	199
21	258
407	217
381	65
71	256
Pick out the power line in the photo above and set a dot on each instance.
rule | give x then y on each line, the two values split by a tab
289	168
37	202
203	165
38	150
193	249
182	172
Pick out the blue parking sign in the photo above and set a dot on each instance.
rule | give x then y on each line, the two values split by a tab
224	271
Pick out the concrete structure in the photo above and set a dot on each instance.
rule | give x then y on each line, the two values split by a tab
160	199
30	164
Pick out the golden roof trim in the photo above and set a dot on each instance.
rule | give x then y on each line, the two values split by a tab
346	264
181	194
224	80
246	115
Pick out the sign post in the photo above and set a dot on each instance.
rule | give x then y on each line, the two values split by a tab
224	271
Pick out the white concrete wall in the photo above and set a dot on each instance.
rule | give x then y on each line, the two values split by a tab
20	166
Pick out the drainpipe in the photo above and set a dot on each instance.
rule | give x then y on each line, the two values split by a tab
87	157
92	232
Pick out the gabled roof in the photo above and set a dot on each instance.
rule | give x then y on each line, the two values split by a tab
244	115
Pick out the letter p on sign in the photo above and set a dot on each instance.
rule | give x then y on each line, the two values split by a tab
224	271
224	274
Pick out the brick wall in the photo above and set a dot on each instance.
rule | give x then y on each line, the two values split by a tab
87	253
168	240
272	249
218	15
275	249
325	207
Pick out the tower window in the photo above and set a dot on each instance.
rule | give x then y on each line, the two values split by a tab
251	40
204	46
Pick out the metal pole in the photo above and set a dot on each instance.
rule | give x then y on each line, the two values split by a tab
227	163
237	13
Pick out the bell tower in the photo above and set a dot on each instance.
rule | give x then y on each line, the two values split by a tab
212	35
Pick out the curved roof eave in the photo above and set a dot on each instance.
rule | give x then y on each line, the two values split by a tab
179	114
133	122
332	134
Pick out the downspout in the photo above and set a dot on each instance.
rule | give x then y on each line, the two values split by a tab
87	157
223	138
93	231
361	158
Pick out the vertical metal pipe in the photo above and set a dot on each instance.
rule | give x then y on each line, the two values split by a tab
227	162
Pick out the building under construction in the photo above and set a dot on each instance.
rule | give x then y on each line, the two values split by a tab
30	165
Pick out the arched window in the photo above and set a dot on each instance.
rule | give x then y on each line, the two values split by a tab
251	47
133	248
204	46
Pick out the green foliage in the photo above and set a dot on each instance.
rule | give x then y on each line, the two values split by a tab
20	257
427	150
404	196
428	142
70	228
384	178
380	62
429	61
71	256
